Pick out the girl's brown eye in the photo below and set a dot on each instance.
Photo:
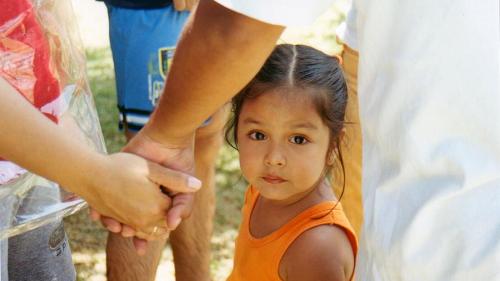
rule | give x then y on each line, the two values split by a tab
298	140
257	136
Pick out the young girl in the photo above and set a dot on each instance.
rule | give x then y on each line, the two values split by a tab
287	126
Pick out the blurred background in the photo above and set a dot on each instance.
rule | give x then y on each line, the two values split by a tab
88	239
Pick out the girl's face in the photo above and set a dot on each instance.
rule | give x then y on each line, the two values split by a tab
283	144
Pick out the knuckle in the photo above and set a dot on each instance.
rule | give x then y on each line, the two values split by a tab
180	180
156	210
175	181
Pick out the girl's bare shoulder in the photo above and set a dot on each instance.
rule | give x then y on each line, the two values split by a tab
320	253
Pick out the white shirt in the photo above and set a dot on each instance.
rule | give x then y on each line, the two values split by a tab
429	89
298	12
347	30
430	108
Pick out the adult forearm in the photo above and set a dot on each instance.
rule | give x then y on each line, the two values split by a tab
122	186
218	53
37	144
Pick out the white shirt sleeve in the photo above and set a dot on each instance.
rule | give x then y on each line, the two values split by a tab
347	31
280	12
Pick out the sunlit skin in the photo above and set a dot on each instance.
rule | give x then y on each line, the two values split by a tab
283	145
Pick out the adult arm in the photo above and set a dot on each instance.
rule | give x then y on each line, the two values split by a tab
122	186
218	53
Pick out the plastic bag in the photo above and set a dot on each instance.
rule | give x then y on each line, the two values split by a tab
50	39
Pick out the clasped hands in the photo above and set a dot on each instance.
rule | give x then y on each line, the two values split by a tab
154	192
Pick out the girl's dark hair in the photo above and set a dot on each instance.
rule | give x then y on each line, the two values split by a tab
302	67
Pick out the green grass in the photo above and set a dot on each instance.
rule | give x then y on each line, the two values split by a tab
102	83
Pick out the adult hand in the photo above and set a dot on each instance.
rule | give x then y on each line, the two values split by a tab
185	5
178	155
175	154
128	190
123	186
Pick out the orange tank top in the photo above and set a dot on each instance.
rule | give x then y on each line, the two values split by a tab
258	259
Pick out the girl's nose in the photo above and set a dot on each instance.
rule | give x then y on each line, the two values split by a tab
275	157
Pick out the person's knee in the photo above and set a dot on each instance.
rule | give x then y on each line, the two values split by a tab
210	137
123	262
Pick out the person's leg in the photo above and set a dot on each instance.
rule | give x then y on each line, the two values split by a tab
142	43
123	263
191	255
191	240
352	145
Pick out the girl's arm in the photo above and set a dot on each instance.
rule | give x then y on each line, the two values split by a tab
122	186
321	253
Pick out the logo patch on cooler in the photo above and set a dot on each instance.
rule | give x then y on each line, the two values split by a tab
165	56
57	240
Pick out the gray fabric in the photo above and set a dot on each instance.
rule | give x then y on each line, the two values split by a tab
8	207
42	254
3	259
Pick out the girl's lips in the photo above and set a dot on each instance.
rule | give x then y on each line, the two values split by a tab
273	179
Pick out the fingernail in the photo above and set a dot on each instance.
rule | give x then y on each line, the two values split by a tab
194	183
